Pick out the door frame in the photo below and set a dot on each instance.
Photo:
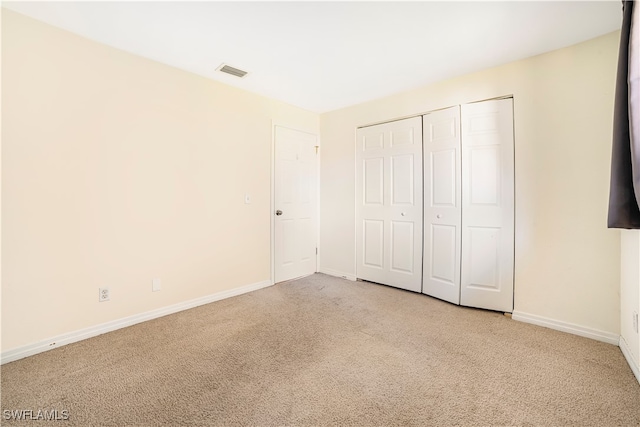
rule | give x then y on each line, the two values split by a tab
272	189
459	104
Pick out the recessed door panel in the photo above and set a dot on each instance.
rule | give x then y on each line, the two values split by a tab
483	123
373	243
402	179
373	141
389	204
484	163
483	257
373	191
306	230
289	245
304	185
402	239
443	178
399	137
287	183
443	130
442	212
444	247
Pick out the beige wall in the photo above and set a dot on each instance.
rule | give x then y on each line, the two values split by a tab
116	170
566	260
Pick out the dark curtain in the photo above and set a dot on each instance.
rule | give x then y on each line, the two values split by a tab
624	192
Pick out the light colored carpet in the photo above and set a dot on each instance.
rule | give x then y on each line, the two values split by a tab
326	351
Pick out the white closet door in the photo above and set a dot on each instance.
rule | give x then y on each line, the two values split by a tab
487	205
389	204
442	204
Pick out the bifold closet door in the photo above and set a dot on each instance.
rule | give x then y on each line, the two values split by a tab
487	205
442	204
389	203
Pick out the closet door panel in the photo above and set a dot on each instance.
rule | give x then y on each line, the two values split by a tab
389	204
442	204
488	205
444	245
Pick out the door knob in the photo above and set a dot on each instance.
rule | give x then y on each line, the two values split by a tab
438	216
278	212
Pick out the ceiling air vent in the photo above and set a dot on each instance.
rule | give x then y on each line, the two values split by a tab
231	70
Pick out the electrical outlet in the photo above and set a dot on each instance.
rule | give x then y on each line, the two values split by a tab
635	321
247	198
156	285
103	295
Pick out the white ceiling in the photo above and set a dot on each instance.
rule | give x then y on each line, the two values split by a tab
322	56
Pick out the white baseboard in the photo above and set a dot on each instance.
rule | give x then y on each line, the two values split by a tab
336	273
71	337
624	347
571	328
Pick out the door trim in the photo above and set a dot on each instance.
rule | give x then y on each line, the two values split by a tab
272	188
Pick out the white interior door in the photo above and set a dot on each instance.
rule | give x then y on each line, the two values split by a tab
442	204
295	178
487	205
389	204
